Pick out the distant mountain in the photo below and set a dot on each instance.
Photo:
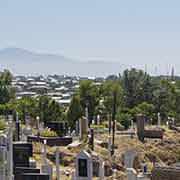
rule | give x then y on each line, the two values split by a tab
21	61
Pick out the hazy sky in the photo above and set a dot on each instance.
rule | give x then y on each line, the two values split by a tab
143	31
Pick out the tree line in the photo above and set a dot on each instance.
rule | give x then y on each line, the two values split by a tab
136	92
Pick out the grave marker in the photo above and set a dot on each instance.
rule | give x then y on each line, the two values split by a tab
83	166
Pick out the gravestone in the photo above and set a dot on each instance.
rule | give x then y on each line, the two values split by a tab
98	119
57	164
87	117
2	162
22	151
83	127
83	166
34	176
21	156
91	139
17	130
19	171
101	169
109	146
131	174
159	120
110	123
129	157
45	167
26	131
140	127
10	148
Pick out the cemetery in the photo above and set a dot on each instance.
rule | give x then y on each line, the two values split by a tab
87	154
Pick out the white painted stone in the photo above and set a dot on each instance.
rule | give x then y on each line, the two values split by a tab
47	169
85	157
129	157
131	174
57	164
101	169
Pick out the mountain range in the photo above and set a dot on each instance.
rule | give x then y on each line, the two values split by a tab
24	62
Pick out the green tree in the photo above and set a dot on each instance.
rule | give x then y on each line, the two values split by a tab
137	87
107	90
6	90
89	97
75	111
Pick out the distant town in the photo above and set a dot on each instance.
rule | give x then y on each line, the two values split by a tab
59	87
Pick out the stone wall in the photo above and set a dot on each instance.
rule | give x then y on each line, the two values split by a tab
165	173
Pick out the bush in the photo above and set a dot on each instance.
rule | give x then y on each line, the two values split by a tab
124	119
2	125
94	126
47	133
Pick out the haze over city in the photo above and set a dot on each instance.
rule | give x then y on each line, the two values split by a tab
127	33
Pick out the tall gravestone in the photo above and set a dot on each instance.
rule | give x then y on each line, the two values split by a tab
129	157
10	148
83	127
17	130
45	167
159	120
57	164
140	127
2	157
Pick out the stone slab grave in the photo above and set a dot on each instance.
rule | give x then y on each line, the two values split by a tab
165	173
22	152
34	176
129	157
18	171
51	141
144	133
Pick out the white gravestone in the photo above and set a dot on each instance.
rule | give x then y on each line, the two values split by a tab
45	167
10	148
87	118
109	146
159	120
83	166
129	157
131	174
3	140
98	119
101	169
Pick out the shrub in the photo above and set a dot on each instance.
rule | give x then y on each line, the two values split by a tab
124	119
94	126
47	133
2	125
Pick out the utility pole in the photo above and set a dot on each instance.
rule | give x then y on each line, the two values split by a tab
113	121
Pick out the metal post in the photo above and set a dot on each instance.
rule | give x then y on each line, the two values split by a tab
57	164
113	120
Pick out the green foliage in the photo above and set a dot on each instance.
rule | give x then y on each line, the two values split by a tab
124	119
2	125
26	106
94	126
138	87
47	133
89	97
48	109
107	90
75	111
6	90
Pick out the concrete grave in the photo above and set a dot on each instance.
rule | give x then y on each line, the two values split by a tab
83	166
129	157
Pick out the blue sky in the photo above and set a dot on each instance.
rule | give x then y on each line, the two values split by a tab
137	31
